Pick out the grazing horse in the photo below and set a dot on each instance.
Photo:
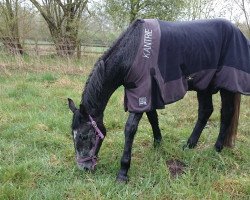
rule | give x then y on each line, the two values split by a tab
157	62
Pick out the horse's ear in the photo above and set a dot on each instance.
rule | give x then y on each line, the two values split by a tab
83	111
72	106
101	66
102	63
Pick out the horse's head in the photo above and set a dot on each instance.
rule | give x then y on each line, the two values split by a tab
87	137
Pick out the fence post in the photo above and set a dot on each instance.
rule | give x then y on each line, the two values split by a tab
78	49
36	47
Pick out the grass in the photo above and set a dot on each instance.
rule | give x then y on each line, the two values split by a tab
37	155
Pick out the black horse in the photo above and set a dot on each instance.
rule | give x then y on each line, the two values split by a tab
114	67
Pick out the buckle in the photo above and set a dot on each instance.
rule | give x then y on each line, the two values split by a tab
94	124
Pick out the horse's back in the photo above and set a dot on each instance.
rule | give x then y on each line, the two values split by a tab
203	44
210	51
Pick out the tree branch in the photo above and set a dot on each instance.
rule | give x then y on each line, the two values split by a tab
46	16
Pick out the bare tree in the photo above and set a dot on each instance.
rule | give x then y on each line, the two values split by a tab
123	12
9	26
201	9
63	18
244	5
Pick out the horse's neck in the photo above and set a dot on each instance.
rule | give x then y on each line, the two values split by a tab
99	89
106	78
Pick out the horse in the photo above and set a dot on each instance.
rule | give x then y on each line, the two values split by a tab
206	56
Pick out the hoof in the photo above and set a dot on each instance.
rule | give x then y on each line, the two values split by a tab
190	144
184	147
218	147
122	179
157	143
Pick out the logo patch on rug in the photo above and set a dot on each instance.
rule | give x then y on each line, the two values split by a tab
142	101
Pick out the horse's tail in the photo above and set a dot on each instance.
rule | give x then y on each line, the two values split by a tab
232	131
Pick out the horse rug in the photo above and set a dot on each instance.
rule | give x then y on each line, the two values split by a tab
174	57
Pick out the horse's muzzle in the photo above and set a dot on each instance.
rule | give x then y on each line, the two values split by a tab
88	163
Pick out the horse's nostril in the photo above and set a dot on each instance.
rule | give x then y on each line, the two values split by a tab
82	167
85	166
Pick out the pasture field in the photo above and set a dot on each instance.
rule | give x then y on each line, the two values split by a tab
37	155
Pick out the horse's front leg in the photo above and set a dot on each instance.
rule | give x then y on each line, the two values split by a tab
130	130
153	120
204	112
227	112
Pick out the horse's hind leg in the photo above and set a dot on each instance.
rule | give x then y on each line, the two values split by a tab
204	112
227	112
153	120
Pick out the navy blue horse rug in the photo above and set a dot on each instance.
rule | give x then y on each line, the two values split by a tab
174	57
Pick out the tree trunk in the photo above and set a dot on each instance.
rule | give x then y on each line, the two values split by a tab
13	45
79	50
65	46
63	19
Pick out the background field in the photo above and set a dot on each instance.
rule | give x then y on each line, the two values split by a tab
37	155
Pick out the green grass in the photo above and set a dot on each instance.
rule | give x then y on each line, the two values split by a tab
37	155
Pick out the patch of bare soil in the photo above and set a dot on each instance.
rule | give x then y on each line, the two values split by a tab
176	167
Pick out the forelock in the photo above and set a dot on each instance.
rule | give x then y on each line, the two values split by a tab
77	119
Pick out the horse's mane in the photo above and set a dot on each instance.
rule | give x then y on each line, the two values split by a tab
119	57
128	34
